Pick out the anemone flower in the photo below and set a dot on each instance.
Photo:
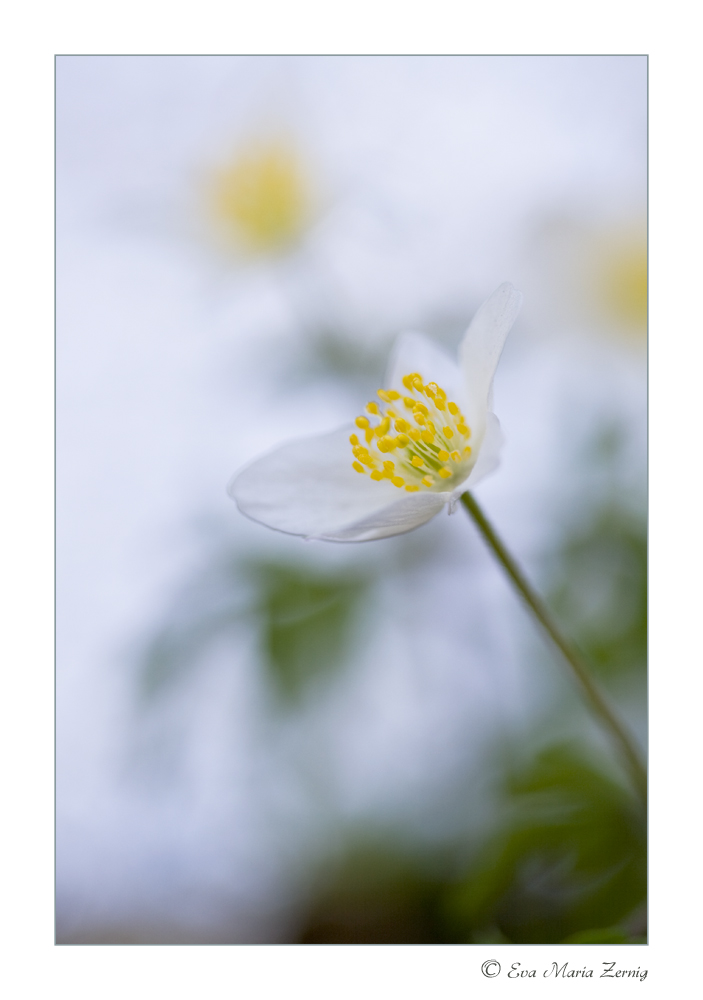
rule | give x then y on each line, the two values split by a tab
431	435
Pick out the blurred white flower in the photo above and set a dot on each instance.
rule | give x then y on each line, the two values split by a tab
260	200
344	486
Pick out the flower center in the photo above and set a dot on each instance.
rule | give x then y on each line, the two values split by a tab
429	446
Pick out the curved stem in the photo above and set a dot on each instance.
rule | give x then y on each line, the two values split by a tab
580	670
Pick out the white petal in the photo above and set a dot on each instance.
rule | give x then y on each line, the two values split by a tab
413	352
481	348
308	487
489	456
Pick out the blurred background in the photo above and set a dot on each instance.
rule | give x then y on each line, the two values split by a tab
265	740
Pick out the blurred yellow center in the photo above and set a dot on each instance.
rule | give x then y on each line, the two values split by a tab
625	282
262	198
425	433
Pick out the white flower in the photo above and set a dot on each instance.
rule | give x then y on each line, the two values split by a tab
430	437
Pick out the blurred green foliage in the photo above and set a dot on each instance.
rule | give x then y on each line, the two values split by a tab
599	589
570	857
304	616
567	863
379	893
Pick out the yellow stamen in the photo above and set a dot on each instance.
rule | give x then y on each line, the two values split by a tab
432	440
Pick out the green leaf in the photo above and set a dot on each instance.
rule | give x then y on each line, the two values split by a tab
571	856
307	619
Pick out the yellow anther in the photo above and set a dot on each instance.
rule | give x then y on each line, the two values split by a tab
453	408
412	489
362	422
391	443
415	435
467	451
391	413
427	437
368	434
417	462
382	428
382	445
372	407
430	426
422	408
428	481
367	460
402	440
382	394
408	381
358	466
448	432
409	402
439	403
431	388
377	475
392	394
417	384
419	417
441	392
463	429
353	439
443	455
389	466
398	481
456	456
401	425
445	473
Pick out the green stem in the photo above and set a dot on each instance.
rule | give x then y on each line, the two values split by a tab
580	670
